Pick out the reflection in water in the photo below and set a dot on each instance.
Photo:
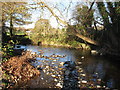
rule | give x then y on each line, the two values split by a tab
89	71
107	72
70	76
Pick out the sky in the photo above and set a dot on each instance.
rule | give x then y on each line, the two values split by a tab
62	5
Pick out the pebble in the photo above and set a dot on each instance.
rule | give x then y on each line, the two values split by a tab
59	75
99	80
59	85
47	73
82	57
84	81
78	78
83	75
53	75
55	80
98	86
104	86
61	63
94	52
66	78
10	71
96	73
54	60
77	67
47	66
79	81
44	70
56	66
56	77
52	63
20	76
67	72
60	68
79	62
42	78
31	74
80	70
107	88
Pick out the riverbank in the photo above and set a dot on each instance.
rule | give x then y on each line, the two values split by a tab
54	72
18	69
74	44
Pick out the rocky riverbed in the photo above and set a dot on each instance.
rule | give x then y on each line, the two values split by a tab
37	70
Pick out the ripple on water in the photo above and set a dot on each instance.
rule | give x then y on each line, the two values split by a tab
93	72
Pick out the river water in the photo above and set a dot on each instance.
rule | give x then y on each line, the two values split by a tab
87	71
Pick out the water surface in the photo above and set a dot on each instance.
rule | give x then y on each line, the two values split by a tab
97	71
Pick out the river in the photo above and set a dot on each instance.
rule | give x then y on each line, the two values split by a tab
89	72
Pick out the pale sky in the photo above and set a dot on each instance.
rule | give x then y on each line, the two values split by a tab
61	5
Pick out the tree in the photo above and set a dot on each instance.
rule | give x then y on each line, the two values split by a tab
40	31
110	13
43	26
74	31
82	16
111	21
84	20
15	13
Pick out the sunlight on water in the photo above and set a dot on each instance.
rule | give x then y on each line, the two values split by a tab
87	71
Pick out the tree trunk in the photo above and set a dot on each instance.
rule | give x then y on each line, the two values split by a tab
11	26
3	24
111	38
87	39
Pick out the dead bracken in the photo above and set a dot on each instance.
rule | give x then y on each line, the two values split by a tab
19	68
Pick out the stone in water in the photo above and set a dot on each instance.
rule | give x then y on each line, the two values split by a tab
59	85
84	81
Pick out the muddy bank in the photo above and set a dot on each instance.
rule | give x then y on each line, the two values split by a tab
19	69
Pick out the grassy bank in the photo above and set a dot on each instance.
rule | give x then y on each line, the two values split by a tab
57	37
73	44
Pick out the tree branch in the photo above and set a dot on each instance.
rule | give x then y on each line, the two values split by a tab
87	39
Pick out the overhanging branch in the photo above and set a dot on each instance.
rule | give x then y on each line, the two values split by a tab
87	39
